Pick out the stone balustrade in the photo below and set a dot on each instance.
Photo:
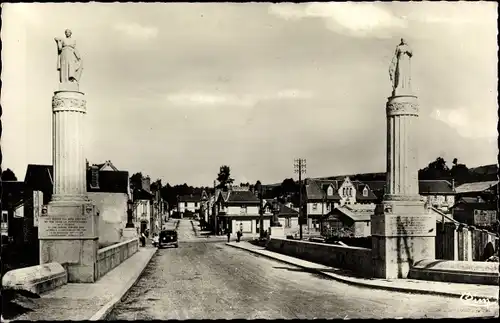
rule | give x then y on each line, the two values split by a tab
110	257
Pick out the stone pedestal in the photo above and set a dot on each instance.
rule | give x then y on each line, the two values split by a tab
276	232
68	230
403	230
129	233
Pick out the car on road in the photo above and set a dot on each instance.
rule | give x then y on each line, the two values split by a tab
168	238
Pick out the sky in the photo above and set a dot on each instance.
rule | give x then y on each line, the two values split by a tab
177	90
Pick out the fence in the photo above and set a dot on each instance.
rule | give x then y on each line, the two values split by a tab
457	241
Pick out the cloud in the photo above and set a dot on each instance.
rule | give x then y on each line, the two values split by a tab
206	99
136	30
467	124
247	100
353	19
455	13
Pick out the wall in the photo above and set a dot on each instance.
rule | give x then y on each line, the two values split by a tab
112	215
362	229
358	260
110	257
236	210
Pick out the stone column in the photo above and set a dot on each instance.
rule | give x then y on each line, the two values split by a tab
403	229
68	229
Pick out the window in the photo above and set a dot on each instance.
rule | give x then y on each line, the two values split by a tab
330	191
365	192
195	204
185	204
288	223
344	191
315	206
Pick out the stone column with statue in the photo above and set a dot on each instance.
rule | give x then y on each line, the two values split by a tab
68	227
403	230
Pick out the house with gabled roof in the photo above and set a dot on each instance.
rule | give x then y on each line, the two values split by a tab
352	219
108	188
189	204
322	196
239	209
285	214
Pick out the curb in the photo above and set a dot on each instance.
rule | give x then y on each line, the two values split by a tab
362	284
194	229
109	306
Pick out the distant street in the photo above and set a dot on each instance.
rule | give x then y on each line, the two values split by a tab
211	280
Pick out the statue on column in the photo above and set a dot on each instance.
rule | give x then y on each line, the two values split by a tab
69	61
400	69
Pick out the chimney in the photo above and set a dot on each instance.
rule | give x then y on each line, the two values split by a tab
146	184
94	178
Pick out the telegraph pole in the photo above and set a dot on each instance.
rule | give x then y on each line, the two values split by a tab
261	212
300	168
215	211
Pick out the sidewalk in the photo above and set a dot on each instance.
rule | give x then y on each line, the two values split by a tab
90	301
397	285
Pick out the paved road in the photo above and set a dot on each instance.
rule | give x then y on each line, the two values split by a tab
213	281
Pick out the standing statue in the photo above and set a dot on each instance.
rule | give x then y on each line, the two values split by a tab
400	69
69	61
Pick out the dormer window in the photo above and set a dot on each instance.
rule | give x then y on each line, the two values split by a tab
329	191
365	192
94	179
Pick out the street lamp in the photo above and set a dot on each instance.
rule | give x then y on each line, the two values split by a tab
130	211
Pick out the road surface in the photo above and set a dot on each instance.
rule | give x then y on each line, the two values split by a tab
203	280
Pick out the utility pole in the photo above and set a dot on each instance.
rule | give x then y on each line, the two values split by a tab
261	212
300	168
215	211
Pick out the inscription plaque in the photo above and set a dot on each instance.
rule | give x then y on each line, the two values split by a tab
72	227
409	225
423	225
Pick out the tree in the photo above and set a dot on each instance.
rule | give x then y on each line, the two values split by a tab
8	175
136	181
459	172
156	185
435	170
224	177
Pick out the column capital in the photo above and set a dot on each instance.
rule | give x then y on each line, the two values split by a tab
69	101
402	105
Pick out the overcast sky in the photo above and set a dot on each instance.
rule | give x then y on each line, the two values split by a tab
176	90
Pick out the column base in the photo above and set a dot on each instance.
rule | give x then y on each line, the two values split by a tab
68	235
403	232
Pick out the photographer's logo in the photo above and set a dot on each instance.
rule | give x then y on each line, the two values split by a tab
472	300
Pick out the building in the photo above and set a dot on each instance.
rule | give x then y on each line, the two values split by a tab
143	200
108	188
322	196
189	204
352	220
286	215
13	211
476	204
440	193
239	209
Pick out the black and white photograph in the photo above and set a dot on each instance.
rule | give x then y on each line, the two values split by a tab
249	160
